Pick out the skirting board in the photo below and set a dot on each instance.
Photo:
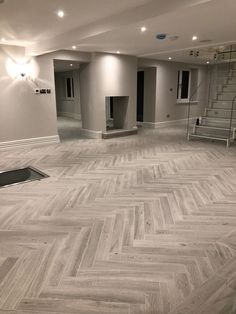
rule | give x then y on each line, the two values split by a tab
92	134
30	142
71	115
156	125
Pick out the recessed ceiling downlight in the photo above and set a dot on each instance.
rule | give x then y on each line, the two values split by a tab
143	29
61	13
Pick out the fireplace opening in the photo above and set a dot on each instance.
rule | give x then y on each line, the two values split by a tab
116	112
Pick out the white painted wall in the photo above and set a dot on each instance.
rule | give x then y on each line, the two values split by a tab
68	107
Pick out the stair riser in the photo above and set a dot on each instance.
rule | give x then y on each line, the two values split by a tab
216	133
232	80
208	138
225	67
222	104
218	123
220	114
226	75
230	88
221	81
226	96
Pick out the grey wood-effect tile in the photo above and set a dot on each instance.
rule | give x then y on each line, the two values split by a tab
134	225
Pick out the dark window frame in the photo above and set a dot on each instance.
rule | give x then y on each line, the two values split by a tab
69	87
183	85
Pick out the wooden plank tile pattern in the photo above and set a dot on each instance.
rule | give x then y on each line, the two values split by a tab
135	225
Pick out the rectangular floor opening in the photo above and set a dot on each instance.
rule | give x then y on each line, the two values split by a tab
18	176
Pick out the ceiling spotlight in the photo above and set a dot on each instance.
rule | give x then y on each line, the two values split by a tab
71	65
194	38
118	52
208	62
143	29
61	14
73	47
170	58
3	39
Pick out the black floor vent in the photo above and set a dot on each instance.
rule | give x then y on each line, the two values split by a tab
13	177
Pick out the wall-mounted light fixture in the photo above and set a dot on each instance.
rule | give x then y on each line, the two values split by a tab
20	71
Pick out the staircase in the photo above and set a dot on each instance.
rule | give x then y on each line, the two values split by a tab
219	119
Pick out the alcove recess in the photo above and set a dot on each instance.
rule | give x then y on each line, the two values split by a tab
116	117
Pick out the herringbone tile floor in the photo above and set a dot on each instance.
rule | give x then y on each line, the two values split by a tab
142	224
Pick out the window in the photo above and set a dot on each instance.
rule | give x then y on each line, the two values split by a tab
184	82
70	92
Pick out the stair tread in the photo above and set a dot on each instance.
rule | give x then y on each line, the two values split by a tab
218	118
220	100
209	136
228	110
226	91
227	76
226	100
212	127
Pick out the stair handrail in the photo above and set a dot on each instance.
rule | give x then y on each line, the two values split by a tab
231	118
230	52
191	99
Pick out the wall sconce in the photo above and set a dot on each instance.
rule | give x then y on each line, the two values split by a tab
22	70
19	71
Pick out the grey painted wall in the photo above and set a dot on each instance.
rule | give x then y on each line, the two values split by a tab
68	107
107	75
166	106
23	114
150	90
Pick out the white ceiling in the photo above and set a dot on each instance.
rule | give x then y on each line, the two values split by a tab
33	21
111	25
64	65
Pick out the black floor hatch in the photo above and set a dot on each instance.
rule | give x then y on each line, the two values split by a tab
17	176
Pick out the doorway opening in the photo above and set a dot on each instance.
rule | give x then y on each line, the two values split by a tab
67	86
140	95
